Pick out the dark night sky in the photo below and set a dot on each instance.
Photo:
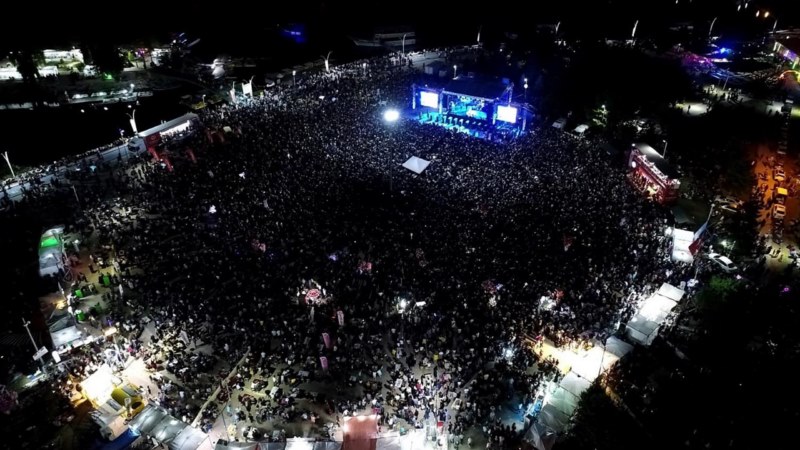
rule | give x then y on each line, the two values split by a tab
41	25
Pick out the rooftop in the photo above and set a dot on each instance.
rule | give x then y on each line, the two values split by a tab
488	89
654	157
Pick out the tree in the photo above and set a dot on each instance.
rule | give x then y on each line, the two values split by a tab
715	293
25	61
599	424
107	59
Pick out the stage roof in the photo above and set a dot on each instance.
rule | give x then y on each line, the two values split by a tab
476	87
654	157
166	126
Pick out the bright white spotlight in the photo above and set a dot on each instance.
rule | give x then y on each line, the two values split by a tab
391	115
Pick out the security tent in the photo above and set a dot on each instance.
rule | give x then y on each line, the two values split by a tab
416	165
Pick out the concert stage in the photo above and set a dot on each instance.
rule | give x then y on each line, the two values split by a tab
482	108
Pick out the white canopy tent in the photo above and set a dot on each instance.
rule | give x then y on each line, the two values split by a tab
643	327
681	241
580	129
155	422
560	123
50	251
540	436
562	403
600	358
416	165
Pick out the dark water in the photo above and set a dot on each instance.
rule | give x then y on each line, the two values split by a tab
40	136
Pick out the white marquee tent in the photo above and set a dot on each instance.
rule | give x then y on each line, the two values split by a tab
416	165
643	328
562	403
154	421
681	241
580	129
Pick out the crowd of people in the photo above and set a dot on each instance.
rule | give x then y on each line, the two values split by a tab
330	280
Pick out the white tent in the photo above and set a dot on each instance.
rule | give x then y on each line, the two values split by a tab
580	129
562	403
189	438
540	436
643	327
154	421
560	123
64	336
600	358
416	165
681	240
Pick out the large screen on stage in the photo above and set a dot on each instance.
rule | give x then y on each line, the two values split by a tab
507	114
429	99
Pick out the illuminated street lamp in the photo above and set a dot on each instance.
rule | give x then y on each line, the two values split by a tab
711	28
326	58
294	78
455	70
133	119
404	44
665	148
526	89
391	115
5	156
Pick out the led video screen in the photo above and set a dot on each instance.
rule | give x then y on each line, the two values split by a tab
429	99
507	114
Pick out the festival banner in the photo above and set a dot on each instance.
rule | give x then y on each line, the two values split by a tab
327	339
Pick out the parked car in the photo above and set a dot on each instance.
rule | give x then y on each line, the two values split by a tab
723	262
734	208
780	175
725	200
778	211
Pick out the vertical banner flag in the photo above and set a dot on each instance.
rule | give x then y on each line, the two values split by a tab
327	339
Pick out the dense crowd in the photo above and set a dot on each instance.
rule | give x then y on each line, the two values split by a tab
299	249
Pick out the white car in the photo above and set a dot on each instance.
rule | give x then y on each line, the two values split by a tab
734	208
725	200
780	175
723	262
778	211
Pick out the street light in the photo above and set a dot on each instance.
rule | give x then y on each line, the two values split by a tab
526	89
294	78
711	27
25	324
364	66
455	70
326	58
5	156
391	115
133	118
665	148
404	45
